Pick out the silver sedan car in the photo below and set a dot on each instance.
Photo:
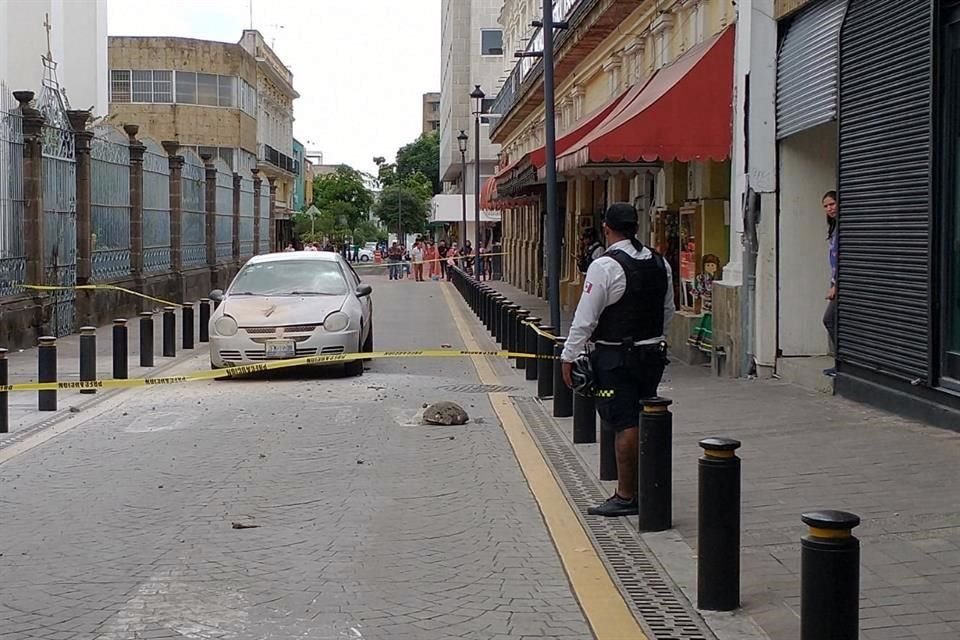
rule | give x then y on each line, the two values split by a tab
291	305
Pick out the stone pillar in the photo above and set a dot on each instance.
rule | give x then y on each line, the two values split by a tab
257	194
82	139
211	193
32	188
176	204
235	238
136	200
273	215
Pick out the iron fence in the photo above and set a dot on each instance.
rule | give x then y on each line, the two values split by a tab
60	209
246	217
12	259
224	220
110	204
193	224
156	208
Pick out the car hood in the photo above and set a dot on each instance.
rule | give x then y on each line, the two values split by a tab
276	311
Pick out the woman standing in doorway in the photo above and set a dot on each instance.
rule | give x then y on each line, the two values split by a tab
831	209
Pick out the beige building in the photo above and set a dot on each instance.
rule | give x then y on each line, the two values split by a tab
233	101
431	112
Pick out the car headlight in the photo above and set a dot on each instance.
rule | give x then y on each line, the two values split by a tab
336	321
225	326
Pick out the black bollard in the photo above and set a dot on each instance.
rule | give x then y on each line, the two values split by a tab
503	322
562	394
830	577
47	372
530	346
187	322
509	338
169	332
545	362
146	339
490	305
608	452
481	309
204	319
655	478
718	530
498	305
584	419
520	337
120	363
4	395
88	356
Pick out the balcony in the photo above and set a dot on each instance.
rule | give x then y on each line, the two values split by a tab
590	22
266	153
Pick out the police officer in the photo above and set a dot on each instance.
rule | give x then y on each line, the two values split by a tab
624	311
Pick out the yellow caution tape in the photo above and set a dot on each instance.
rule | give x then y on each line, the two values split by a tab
259	367
109	287
540	332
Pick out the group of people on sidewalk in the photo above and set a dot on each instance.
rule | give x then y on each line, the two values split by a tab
427	260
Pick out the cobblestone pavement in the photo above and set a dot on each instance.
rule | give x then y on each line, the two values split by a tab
803	451
366	525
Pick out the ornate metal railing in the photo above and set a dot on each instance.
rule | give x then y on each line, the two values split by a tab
194	221
156	208
110	204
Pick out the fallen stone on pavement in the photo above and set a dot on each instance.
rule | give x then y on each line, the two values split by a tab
445	413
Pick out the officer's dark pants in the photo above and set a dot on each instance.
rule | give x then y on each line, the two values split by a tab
624	378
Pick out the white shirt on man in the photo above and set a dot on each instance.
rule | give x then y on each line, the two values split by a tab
604	285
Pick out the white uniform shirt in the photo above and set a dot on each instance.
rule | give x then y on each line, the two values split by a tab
604	285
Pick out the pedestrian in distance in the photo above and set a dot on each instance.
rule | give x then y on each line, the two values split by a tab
394	256
590	247
831	209
623	314
416	256
430	264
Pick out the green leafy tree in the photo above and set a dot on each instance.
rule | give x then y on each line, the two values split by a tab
421	156
344	185
406	201
368	231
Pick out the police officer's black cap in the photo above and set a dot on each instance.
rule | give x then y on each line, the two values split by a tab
622	217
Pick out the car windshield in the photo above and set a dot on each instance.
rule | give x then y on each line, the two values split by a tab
290	277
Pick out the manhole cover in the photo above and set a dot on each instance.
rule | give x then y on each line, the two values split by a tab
478	388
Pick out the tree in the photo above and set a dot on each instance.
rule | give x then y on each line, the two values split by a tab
406	199
421	156
344	185
367	231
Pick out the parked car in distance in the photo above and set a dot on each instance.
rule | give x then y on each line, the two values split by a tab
291	305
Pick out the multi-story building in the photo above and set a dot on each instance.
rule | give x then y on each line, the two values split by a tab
275	96
431	112
643	113
217	98
74	34
471	54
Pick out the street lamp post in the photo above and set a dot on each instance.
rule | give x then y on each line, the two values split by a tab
478	95
462	142
550	149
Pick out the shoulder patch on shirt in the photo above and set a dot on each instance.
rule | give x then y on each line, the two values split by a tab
587	287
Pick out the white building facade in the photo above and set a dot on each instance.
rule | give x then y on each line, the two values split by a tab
77	37
472	54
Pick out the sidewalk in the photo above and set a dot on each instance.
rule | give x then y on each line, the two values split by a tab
801	451
23	369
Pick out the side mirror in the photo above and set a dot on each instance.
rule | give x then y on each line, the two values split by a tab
216	295
364	290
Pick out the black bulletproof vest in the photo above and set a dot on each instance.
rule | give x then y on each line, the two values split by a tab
639	313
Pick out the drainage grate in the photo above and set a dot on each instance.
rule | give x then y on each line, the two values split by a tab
478	388
659	606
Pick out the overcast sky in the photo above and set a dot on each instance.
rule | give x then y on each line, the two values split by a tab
360	66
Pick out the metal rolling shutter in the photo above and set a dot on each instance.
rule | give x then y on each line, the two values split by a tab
885	122
807	68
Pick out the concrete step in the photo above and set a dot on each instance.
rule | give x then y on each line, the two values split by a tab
807	372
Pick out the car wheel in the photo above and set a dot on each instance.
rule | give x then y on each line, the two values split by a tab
368	343
353	368
364	258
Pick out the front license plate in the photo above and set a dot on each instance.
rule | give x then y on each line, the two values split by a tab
280	349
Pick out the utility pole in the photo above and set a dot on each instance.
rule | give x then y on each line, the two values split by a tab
478	95
554	224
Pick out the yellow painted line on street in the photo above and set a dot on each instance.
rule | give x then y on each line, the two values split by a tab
601	601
